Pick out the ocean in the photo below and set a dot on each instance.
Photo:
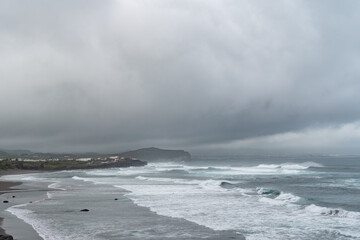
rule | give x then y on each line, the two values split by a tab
222	197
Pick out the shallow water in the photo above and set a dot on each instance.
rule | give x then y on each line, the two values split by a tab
259	197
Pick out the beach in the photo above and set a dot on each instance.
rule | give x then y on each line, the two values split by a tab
303	198
111	214
5	187
17	193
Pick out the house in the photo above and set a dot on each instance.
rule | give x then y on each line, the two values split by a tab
83	159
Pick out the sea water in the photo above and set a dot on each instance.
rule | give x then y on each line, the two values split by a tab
259	197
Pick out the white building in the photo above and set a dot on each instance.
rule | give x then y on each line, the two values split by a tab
83	159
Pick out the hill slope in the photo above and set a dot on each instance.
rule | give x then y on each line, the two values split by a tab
153	154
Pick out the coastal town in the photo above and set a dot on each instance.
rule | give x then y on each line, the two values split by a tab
81	159
68	163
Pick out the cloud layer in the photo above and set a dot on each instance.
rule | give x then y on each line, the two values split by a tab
113	75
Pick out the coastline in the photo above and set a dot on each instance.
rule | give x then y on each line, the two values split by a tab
6	187
142	220
10	188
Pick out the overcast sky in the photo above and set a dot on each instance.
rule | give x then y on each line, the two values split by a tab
112	75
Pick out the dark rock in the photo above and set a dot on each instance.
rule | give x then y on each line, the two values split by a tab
13	196
227	185
84	210
115	199
265	191
5	201
6	237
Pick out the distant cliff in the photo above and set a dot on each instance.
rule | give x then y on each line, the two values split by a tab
153	154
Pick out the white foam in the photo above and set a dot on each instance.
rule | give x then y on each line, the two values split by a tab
223	211
22	178
49	195
48	228
291	166
39	226
262	169
261	190
332	212
142	178
281	200
352	183
288	197
300	166
171	165
168	180
285	168
257	216
272	166
206	203
55	185
209	184
102	172
92	180
135	171
212	185
83	179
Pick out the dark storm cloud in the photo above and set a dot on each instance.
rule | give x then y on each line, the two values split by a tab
108	75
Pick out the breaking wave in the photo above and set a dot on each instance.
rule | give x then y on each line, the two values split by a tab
314	209
292	166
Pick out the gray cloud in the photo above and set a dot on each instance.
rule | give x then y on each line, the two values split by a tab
109	75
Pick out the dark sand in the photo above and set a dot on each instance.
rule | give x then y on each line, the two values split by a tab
4	188
10	188
132	219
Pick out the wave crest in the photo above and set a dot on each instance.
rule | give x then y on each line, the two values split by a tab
281	198
292	166
265	191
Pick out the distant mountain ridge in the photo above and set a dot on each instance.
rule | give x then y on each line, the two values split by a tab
3	153
153	154
17	152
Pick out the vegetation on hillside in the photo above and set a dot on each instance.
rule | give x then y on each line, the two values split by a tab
67	164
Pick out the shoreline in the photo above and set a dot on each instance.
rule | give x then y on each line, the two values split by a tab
141	218
7	187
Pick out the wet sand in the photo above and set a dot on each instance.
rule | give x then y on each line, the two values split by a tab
133	219
11	191
5	187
